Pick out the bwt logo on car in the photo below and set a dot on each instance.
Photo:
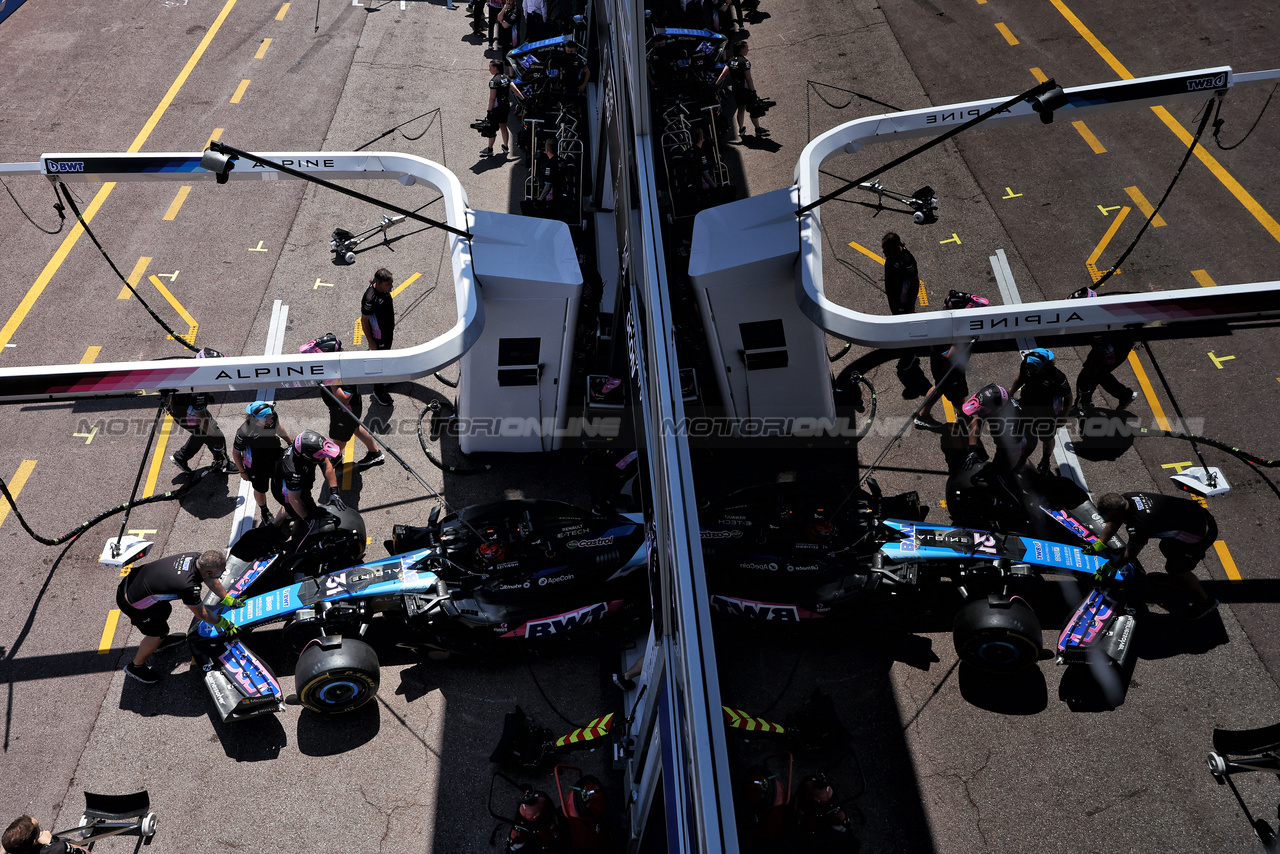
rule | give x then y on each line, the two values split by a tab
1214	81
64	165
567	622
756	610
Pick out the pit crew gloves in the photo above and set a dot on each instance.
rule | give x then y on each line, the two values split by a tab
232	601
227	627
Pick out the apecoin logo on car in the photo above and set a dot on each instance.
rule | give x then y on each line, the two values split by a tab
720	535
64	165
1213	81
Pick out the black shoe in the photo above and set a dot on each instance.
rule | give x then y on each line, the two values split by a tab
180	463
142	673
623	682
1127	399
267	517
1200	610
761	133
1043	468
371	459
927	422
223	465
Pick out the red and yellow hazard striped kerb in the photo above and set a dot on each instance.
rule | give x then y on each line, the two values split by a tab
739	719
595	729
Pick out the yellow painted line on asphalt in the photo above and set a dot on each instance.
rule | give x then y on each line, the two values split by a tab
262	50
134	277
406	283
1092	262
358	335
176	205
1039	75
177	306
949	411
16	483
1008	36
1089	138
280	14
158	457
213	137
1228	562
109	631
922	296
1233	186
1203	278
1145	206
244	84
1148	392
348	458
90	355
42	281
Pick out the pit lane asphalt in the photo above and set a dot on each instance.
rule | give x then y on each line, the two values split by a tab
951	763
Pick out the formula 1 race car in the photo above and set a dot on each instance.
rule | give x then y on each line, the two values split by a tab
516	569
534	570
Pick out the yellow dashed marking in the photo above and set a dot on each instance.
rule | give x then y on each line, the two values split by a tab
1228	562
406	283
213	137
1092	263
1008	36
262	50
134	277
1039	75
244	84
16	483
1089	138
1145	206
109	631
90	355
1203	278
176	204
1156	409
280	14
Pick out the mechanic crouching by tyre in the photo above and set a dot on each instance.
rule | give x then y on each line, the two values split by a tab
1186	531
296	475
144	595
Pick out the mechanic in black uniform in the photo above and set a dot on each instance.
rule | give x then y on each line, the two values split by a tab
342	426
257	450
549	173
743	87
378	321
1185	530
144	595
24	836
1046	398
992	406
1109	351
901	286
191	412
947	362
296	475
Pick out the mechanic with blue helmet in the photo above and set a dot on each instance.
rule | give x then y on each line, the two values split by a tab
190	411
1045	400
257	450
145	593
295	476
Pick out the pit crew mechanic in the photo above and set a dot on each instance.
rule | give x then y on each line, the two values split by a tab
24	836
296	474
257	450
191	413
1186	531
144	595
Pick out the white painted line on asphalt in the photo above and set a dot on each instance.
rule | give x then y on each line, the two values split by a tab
1063	452
246	507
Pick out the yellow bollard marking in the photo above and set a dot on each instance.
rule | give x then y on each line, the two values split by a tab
244	84
176	204
109	631
1145	206
16	483
1089	138
1008	36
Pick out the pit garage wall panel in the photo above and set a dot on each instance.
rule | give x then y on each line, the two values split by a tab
743	270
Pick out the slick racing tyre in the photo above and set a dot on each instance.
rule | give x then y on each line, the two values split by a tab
337	679
998	636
